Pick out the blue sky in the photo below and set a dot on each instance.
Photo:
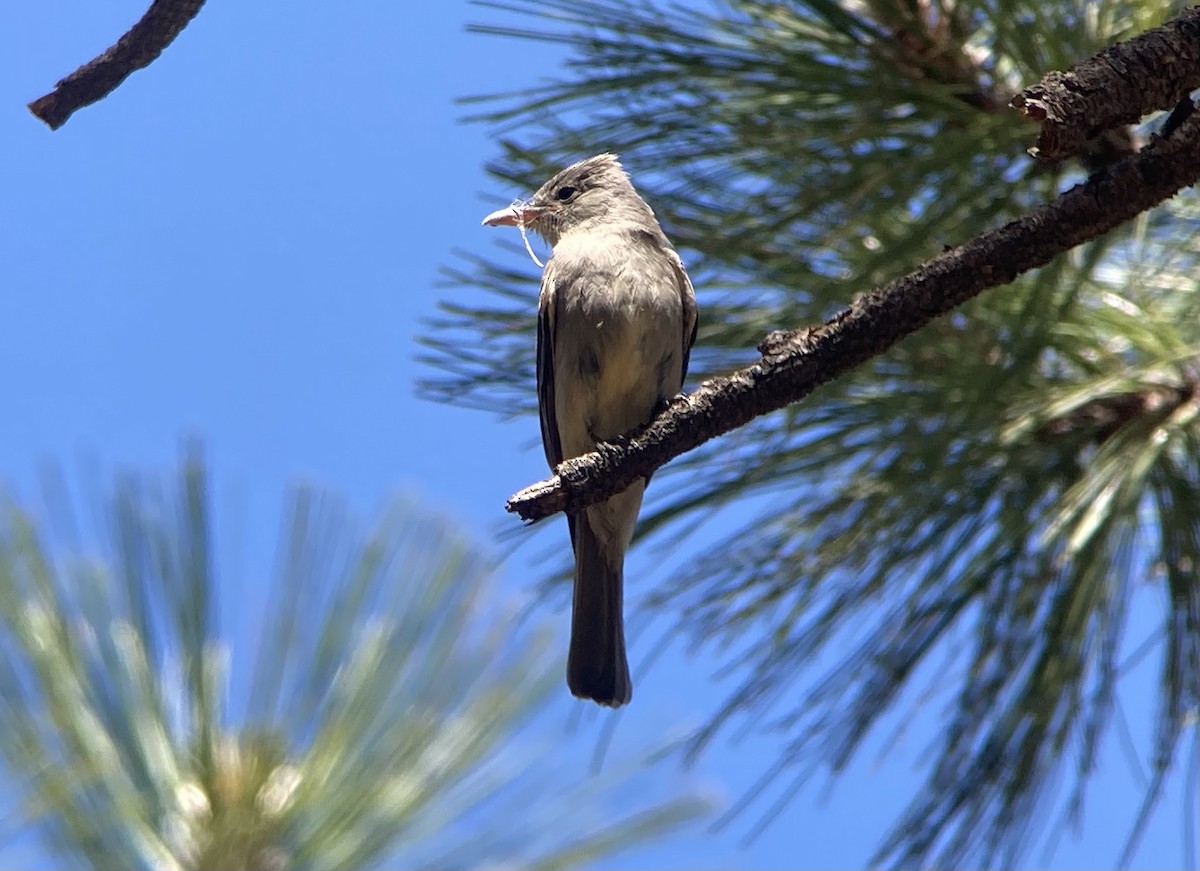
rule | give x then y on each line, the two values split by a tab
239	245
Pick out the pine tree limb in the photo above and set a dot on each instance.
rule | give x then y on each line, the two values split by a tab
796	363
95	80
1120	85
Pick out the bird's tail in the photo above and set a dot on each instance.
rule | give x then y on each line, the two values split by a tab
596	665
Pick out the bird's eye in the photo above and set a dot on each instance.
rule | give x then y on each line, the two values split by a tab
564	193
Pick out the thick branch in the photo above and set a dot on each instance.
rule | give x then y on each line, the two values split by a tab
1154	70
94	80
796	363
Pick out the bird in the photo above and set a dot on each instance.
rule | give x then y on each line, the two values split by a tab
615	327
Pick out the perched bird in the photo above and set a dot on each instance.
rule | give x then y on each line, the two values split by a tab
616	322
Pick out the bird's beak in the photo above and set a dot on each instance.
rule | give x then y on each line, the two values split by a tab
514	216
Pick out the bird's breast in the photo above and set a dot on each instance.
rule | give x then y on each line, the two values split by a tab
618	339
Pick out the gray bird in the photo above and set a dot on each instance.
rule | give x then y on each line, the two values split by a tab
616	321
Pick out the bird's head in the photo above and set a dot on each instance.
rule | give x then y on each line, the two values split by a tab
587	194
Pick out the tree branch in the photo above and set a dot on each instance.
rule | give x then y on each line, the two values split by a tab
96	79
795	363
1120	85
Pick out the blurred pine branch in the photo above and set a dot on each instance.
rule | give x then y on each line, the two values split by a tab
383	719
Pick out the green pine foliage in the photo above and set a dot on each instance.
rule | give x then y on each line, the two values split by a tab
380	719
980	503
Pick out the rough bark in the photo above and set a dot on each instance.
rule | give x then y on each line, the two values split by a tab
96	79
1155	70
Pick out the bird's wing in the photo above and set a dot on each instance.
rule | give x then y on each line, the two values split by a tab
547	310
545	366
688	299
